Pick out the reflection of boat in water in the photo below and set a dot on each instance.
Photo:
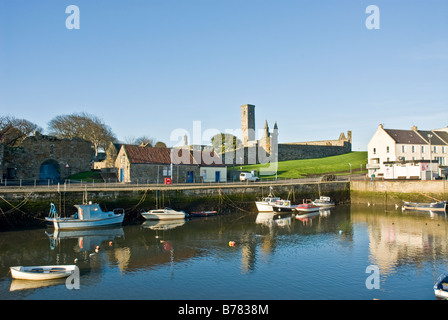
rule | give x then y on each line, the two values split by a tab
163	214
273	218
163	224
42	272
87	238
307	216
31	284
88	216
433	206
441	287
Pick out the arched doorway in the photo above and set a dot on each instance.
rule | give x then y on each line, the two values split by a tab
50	169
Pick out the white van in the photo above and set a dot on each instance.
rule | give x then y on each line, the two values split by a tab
246	176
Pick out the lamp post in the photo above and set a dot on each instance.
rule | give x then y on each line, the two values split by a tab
430	152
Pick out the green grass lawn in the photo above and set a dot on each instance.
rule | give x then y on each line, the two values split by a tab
313	167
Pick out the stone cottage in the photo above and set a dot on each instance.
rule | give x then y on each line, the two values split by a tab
140	164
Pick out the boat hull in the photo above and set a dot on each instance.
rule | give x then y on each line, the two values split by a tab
204	214
307	208
434	206
42	272
263	206
69	223
284	208
168	215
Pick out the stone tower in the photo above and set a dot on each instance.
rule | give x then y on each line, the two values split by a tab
247	124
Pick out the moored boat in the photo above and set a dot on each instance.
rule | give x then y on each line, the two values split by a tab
42	272
283	205
323	202
163	214
432	206
441	287
307	206
266	204
89	215
203	213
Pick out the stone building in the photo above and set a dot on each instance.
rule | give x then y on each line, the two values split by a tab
47	157
140	164
257	151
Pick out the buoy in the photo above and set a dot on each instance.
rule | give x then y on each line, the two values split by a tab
92	254
231	243
110	243
76	260
97	249
340	231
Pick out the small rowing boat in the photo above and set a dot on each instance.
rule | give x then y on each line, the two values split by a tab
441	287
204	213
42	272
433	206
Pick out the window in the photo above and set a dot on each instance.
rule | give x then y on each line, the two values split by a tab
435	149
423	149
413	149
387	149
374	150
403	149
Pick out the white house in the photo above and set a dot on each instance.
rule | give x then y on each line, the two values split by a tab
408	154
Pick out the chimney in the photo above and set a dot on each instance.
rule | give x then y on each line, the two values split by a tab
414	128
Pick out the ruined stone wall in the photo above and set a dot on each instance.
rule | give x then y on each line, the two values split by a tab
25	162
295	151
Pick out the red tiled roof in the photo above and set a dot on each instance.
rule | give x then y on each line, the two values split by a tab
152	155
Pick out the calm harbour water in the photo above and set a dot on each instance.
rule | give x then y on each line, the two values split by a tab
275	257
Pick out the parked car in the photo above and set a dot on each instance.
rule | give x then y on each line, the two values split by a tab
247	176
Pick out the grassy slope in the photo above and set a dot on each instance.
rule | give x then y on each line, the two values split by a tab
303	168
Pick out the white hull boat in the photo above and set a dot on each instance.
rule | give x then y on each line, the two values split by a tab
441	287
323	202
163	214
266	204
42	272
88	216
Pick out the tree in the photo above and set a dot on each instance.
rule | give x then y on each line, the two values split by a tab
223	142
13	131
82	125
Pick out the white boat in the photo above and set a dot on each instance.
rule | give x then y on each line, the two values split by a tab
441	287
323	202
267	203
42	272
284	205
433	206
163	214
88	216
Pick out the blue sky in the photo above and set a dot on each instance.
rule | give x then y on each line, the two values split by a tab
150	67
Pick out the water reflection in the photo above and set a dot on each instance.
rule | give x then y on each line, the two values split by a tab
195	255
399	238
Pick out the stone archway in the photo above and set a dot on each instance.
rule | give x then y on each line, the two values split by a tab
50	169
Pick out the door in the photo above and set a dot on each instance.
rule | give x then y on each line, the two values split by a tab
217	176
121	174
190	176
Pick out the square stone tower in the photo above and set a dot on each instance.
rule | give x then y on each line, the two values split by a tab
247	124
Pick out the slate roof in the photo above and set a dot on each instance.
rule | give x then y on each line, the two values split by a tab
152	155
435	140
443	135
405	136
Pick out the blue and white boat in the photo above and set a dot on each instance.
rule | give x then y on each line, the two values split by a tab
89	215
